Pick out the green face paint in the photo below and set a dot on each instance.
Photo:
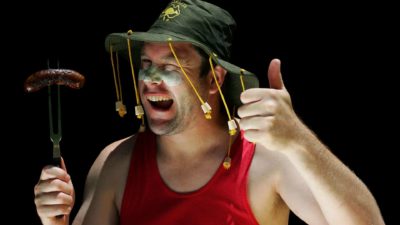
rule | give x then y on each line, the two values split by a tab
155	75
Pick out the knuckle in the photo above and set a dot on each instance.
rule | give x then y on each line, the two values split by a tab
41	211
47	169
243	124
64	210
267	123
36	189
272	105
240	111
243	95
69	200
57	185
46	172
270	93
64	198
37	201
69	189
269	105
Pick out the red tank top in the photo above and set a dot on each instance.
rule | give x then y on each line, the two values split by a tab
223	200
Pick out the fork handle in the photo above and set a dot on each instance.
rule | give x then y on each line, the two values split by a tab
56	153
57	161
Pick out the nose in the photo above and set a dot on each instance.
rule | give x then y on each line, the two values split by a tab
155	78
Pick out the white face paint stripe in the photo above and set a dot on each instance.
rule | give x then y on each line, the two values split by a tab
155	75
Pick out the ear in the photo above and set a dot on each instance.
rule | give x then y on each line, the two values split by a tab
220	74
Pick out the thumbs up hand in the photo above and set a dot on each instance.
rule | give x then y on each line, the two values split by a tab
267	116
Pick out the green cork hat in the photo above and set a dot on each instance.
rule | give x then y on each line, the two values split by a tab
202	24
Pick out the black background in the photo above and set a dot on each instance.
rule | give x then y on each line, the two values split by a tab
339	63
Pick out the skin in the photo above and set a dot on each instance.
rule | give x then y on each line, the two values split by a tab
153	75
291	168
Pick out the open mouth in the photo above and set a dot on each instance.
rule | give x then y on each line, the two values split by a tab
160	103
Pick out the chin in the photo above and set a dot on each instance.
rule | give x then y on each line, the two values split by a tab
162	127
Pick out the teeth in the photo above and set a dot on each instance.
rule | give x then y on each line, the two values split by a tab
158	98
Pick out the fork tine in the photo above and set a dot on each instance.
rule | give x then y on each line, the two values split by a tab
55	136
50	114
59	113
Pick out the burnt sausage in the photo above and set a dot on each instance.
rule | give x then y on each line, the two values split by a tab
43	78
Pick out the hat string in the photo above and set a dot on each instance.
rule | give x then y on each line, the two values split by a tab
119	105
241	79
228	160
231	123
138	108
204	105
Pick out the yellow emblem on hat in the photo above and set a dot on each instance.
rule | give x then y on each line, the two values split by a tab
173	10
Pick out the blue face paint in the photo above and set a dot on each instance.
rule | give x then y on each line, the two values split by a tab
153	74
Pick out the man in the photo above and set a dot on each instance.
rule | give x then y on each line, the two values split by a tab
190	167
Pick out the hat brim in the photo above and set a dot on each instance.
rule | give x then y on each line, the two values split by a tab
232	85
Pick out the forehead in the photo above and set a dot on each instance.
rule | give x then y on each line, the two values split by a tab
183	50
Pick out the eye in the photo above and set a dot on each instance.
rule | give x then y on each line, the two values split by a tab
145	64
170	67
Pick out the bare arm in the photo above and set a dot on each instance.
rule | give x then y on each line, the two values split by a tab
105	179
343	197
269	120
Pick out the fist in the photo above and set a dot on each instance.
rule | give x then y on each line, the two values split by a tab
54	195
267	116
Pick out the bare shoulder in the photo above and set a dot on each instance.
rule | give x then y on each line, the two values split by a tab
105	184
118	152
115	154
111	166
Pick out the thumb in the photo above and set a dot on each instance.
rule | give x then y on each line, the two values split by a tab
274	75
63	165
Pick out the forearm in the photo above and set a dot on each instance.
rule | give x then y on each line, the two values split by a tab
342	196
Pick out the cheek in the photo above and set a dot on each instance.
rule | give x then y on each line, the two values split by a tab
168	78
140	85
183	94
172	80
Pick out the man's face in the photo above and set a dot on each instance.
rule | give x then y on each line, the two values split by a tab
170	103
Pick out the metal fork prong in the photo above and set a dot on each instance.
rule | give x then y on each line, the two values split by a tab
50	114
55	136
59	113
